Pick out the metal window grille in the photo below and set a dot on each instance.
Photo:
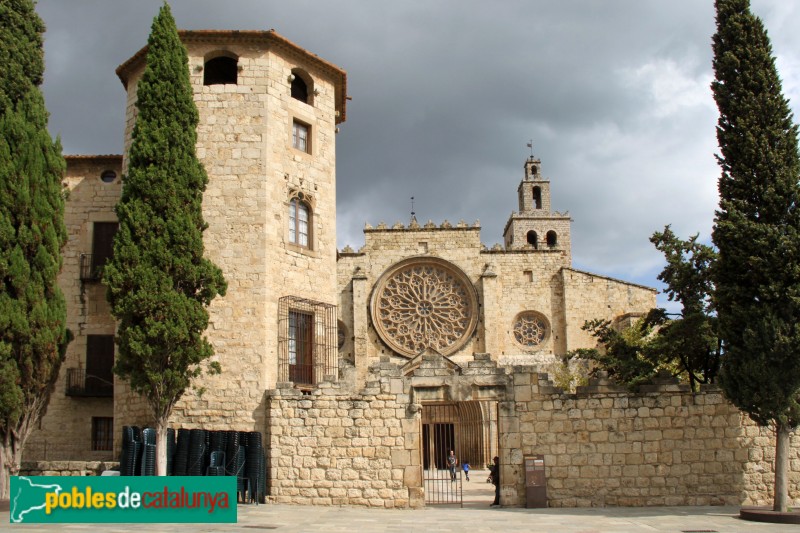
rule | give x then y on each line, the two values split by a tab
307	341
102	433
80	383
89	270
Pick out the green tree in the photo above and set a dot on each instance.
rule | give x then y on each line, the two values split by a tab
690	341
757	231
33	332
687	346
159	283
624	353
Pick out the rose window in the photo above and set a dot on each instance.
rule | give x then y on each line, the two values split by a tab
530	329
424	303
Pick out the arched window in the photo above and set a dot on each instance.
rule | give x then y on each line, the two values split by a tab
299	222
221	70
299	89
533	239
302	86
537	197
552	239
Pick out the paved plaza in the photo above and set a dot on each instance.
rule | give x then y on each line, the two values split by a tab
474	517
296	519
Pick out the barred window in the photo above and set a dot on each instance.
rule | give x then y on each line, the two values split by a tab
301	347
307	341
102	433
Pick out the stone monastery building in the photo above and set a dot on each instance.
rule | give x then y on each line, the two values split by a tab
362	368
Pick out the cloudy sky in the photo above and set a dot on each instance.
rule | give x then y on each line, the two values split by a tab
446	94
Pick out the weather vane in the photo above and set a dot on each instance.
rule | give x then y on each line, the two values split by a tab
530	145
412	206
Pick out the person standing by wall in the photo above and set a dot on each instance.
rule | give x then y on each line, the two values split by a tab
494	473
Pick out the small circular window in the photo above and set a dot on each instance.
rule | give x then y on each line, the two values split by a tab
530	329
108	176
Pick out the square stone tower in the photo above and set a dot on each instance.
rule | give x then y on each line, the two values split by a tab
268	118
536	226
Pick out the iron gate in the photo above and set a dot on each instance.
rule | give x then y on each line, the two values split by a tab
469	429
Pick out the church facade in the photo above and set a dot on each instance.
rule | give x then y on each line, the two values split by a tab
338	356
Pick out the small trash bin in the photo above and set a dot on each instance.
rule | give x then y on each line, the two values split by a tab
535	482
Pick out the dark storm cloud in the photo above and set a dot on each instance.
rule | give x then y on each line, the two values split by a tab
447	93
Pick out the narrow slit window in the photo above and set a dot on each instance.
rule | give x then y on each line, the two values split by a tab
299	223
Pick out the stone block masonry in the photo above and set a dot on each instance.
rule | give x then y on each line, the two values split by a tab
334	447
610	447
604	446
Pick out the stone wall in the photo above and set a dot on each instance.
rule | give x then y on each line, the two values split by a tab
589	296
66	468
65	433
334	447
663	446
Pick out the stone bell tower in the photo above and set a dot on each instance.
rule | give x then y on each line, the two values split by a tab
535	226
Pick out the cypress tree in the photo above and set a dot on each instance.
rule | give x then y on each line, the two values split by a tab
757	231
33	333
159	283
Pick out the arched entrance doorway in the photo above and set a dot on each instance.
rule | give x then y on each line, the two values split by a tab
469	429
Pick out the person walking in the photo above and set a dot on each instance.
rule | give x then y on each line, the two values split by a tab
465	467
494	474
452	462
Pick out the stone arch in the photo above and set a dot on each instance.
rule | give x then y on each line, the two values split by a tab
221	67
532	238
302	86
552	239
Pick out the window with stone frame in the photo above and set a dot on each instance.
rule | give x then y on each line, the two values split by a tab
300	217
102	433
301	136
307	341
